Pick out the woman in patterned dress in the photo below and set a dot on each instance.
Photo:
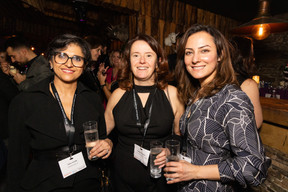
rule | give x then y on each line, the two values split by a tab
219	125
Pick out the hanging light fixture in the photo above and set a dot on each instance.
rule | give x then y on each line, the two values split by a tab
261	26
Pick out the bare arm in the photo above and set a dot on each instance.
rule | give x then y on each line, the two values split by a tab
177	106
109	118
250	87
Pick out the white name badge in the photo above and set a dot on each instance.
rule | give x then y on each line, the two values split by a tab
185	158
141	154
72	165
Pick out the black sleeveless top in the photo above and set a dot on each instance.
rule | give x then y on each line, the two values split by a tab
131	174
161	121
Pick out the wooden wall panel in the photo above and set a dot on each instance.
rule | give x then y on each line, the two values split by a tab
155	9
147	25
148	7
126	3
136	5
153	17
132	25
161	25
154	28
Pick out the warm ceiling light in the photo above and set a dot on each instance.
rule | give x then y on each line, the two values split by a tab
261	27
261	31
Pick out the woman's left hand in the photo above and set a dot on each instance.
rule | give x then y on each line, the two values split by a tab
181	171
103	149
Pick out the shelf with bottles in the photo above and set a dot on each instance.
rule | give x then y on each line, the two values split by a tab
280	92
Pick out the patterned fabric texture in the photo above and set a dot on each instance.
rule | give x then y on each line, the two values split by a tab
221	130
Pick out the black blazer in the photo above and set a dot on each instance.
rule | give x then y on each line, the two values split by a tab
8	91
36	123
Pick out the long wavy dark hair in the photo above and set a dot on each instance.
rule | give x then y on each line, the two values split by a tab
243	56
162	75
189	88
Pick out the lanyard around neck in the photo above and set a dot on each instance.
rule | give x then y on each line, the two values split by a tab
147	122
69	125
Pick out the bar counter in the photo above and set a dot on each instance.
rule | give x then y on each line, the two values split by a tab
274	130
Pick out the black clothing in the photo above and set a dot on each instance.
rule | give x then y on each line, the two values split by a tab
37	71
114	86
104	58
37	130
90	80
241	79
172	61
8	91
130	174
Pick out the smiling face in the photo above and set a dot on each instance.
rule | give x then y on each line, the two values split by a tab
201	57
17	55
116	59
67	72
143	63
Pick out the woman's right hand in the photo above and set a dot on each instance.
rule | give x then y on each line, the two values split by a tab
101	75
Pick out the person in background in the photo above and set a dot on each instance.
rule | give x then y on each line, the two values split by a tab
143	108
218	125
244	66
4	63
172	59
36	67
104	57
89	76
8	90
46	127
108	77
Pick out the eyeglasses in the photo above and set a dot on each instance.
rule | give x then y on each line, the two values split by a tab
62	58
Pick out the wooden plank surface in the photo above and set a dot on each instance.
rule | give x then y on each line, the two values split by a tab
274	136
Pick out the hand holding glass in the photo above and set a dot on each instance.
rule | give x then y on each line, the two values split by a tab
91	136
155	149
173	152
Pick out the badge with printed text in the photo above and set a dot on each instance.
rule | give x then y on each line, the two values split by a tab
72	165
141	154
185	158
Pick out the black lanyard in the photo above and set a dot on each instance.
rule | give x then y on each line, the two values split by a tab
69	125
147	122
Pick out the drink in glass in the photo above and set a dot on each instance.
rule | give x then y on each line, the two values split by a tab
91	136
173	152
155	149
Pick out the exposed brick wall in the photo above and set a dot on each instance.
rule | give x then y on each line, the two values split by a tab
271	55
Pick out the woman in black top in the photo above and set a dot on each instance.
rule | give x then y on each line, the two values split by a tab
46	127
144	108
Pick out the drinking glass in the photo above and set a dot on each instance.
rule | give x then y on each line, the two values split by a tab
91	136
155	149
173	152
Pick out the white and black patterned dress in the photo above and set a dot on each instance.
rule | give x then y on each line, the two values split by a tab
221	130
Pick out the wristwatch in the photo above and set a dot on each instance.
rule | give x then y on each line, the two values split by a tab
103	85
